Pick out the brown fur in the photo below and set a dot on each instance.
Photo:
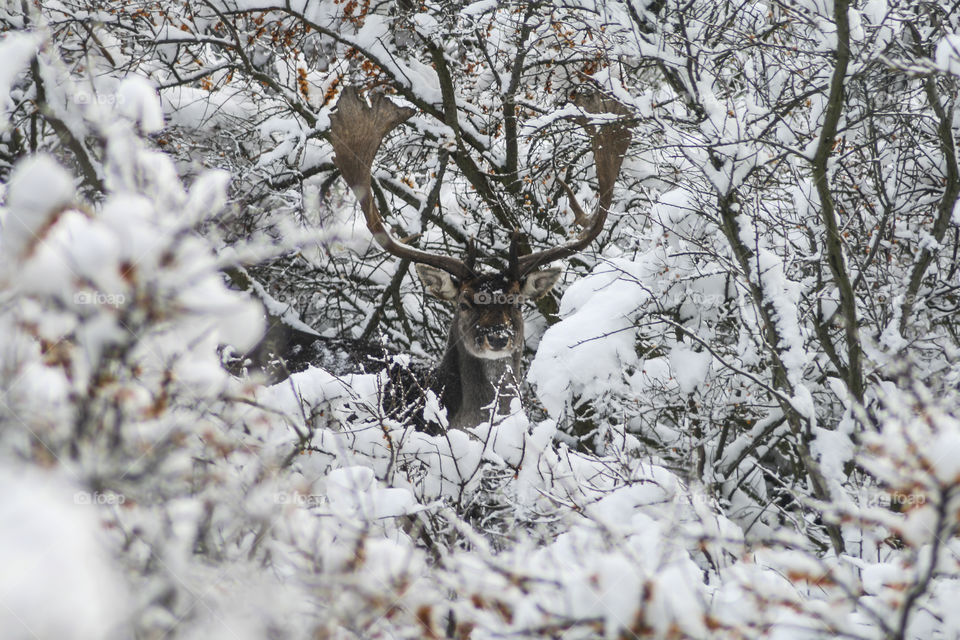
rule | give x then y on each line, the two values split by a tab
482	365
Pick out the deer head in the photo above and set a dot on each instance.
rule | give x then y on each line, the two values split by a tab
485	342
489	314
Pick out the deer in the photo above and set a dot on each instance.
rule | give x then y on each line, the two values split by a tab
479	373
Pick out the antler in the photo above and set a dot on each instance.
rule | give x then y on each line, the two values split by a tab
356	131
610	141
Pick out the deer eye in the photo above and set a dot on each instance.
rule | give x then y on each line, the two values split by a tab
465	306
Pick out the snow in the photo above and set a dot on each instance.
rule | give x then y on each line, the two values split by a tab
352	493
689	367
783	295
58	581
316	386
278	309
426	24
196	108
16	51
947	56
675	210
434	412
147	492
833	449
137	100
39	188
588	350
477	8
946	446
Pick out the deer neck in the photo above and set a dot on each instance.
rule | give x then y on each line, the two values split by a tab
472	384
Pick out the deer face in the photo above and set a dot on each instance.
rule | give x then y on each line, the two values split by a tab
489	315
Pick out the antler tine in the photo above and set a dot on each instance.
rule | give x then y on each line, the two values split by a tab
579	215
514	258
471	259
610	141
356	131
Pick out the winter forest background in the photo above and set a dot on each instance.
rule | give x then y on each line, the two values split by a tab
741	410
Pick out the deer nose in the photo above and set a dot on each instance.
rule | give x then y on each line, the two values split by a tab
498	340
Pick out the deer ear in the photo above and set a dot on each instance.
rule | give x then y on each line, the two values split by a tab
437	282
539	283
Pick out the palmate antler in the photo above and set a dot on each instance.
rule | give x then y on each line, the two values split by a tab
610	141
357	131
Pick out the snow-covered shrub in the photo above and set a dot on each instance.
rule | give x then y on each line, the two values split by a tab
726	452
228	508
